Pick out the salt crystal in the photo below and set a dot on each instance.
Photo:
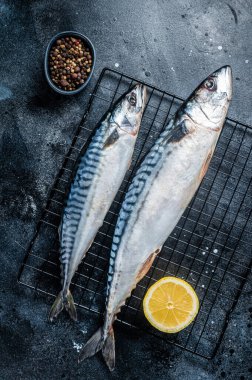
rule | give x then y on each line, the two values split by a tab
77	346
219	47
203	253
215	250
172	69
116	64
207	248
203	286
246	61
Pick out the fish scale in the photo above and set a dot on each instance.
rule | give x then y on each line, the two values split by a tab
78	195
135	189
100	172
133	192
84	177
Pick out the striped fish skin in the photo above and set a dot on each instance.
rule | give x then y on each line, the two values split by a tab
99	175
158	195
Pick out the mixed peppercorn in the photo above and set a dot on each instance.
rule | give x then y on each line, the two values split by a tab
70	63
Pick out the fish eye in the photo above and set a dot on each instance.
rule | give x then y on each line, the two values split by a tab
210	84
132	99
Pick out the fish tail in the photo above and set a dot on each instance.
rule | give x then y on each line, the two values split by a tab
97	343
108	350
63	300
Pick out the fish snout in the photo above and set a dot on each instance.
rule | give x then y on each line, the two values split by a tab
229	82
144	95
141	92
224	75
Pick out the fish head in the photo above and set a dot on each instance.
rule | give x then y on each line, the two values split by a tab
128	113
209	103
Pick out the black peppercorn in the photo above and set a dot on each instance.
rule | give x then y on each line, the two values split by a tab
70	63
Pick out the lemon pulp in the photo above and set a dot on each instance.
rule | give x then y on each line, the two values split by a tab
170	304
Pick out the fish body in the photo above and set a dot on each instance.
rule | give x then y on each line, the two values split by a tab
99	174
158	195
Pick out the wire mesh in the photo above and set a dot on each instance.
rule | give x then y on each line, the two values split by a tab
210	247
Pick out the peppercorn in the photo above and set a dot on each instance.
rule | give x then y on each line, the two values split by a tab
64	82
70	63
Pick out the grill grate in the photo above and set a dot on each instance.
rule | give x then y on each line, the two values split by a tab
210	247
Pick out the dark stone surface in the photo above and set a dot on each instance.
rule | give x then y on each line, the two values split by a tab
173	44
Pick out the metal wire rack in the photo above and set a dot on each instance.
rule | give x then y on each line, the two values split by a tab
210	247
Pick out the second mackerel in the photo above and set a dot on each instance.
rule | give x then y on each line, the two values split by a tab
99	175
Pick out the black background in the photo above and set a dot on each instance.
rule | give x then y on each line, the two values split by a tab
171	44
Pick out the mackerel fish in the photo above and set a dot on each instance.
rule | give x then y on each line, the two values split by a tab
100	172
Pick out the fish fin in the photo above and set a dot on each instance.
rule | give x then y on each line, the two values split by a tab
93	345
97	343
60	229
178	133
62	302
147	264
108	350
113	137
70	306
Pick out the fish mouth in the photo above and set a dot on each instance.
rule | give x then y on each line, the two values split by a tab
224	75
144	95
141	90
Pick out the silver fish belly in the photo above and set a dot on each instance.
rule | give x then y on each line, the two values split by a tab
99	175
158	195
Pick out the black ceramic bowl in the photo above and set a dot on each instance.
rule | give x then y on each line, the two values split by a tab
87	42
